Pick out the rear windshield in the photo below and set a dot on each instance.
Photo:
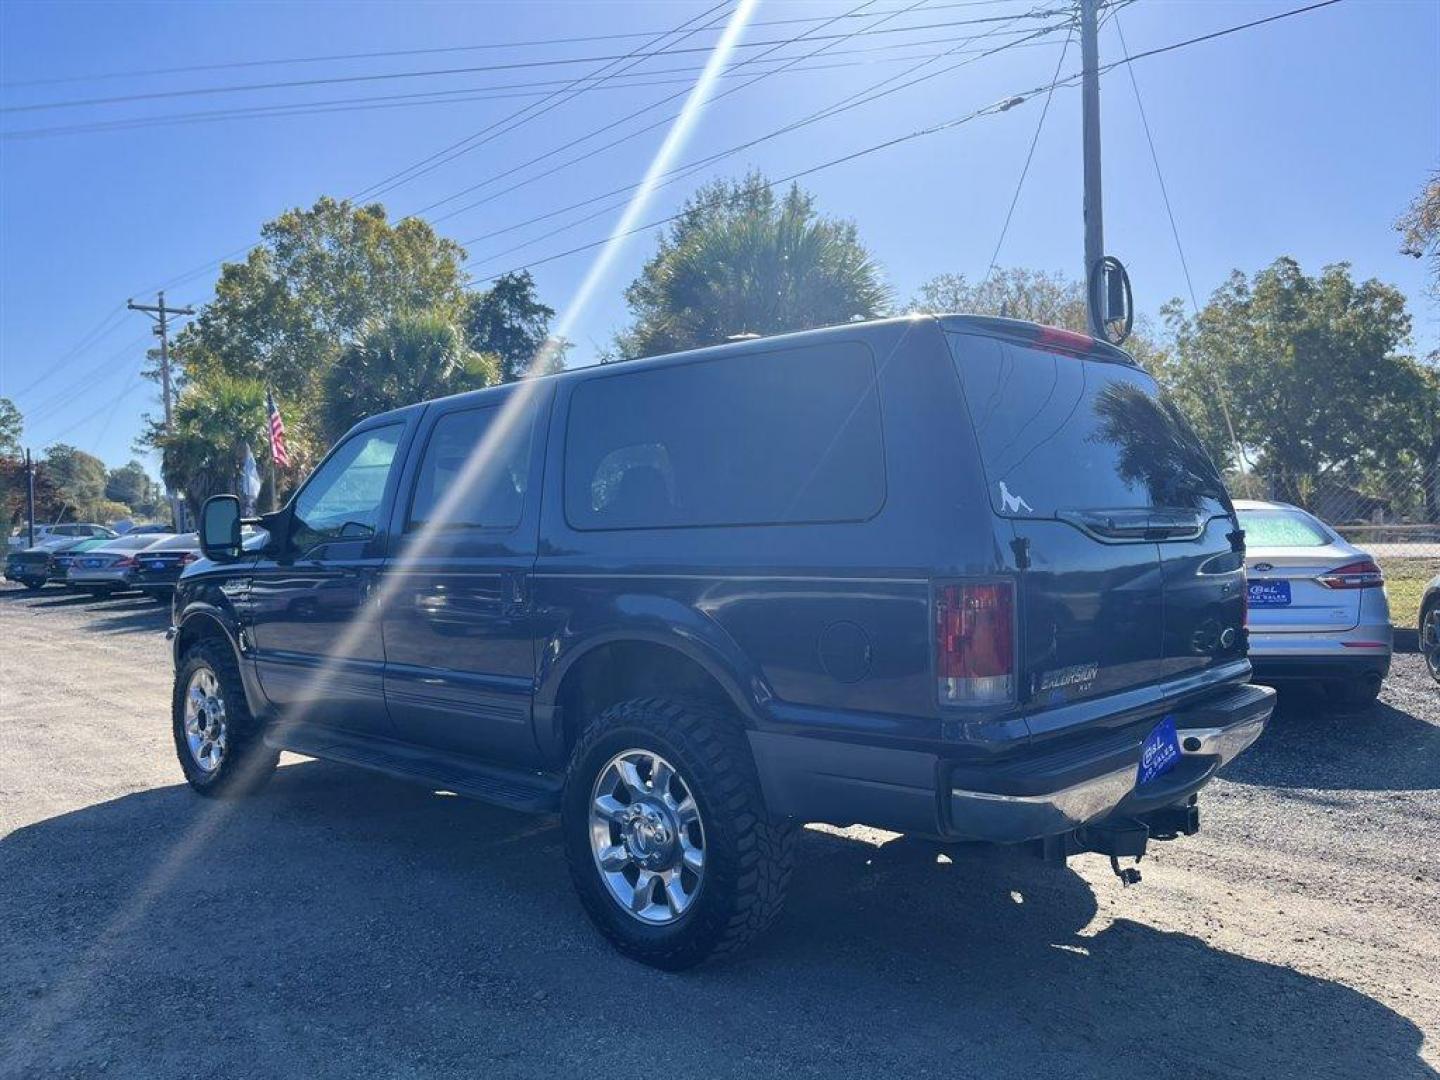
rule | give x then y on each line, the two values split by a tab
1057	432
1281	528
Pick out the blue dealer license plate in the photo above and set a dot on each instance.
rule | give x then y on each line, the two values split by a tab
1159	752
1269	593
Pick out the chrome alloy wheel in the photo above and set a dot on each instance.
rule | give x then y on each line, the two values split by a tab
647	837
205	731
1430	641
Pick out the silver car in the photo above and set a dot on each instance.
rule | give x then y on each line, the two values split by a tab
112	566
1318	610
1430	626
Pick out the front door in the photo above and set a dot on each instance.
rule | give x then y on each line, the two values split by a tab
459	635
319	652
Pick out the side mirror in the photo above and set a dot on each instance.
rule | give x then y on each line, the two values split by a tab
220	528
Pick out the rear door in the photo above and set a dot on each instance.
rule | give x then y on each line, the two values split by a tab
1119	522
459	631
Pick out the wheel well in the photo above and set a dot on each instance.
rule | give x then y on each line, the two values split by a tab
200	628
621	670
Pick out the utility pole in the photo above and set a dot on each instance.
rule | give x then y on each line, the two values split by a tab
30	496
161	314
1090	131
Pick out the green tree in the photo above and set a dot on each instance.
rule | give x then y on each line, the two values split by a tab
744	259
216	416
131	484
1315	376
79	477
12	427
409	359
13	494
508	321
318	279
1013	293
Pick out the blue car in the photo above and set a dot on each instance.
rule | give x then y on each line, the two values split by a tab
966	578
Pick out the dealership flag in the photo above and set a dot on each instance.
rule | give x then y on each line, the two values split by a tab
277	433
252	479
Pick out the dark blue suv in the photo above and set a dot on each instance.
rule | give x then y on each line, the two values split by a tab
965	578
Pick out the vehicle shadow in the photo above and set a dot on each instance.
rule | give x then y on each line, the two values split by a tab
340	924
1308	744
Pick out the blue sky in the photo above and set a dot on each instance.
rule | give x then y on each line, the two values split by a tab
1306	137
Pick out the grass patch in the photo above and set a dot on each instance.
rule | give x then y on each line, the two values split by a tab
1405	580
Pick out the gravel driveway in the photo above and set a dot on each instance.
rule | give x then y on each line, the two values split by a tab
345	925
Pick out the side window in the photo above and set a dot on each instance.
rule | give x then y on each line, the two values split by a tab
475	471
343	498
766	438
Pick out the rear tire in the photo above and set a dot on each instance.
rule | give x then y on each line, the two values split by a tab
1430	638
745	855
34	584
219	743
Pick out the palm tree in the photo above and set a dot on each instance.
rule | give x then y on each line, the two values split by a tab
407	359
216	417
743	260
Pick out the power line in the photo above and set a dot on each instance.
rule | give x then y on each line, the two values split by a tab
1000	106
854	100
1240	461
496	92
1029	156
235	88
390	53
476	139
630	116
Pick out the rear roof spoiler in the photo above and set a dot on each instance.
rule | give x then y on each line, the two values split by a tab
1051	338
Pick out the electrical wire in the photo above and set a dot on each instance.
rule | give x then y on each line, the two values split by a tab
235	88
1029	157
628	117
996	107
854	100
389	53
496	92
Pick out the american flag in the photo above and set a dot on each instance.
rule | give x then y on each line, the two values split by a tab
277	433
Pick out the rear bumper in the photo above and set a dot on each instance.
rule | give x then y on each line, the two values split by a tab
1031	794
1352	664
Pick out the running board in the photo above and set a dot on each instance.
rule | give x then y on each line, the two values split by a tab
517	789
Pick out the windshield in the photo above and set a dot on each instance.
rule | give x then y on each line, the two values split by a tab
1058	432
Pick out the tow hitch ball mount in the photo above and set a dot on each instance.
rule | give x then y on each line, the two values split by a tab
1127	837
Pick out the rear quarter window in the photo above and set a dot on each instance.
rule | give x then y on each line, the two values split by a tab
771	438
1059	432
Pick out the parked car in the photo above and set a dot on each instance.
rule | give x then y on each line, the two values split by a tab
158	566
1430	626
48	563
961	577
64	556
1318	610
111	567
19	539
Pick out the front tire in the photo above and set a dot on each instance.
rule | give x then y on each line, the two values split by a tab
218	742
670	847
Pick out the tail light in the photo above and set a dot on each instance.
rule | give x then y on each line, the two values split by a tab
975	643
1363	574
1069	341
188	558
125	562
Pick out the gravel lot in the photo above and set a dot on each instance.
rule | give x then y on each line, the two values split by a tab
345	925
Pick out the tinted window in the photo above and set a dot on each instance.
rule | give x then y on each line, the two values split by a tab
1281	528
493	492
349	488
1057	432
764	438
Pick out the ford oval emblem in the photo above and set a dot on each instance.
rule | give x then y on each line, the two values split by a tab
1263	566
